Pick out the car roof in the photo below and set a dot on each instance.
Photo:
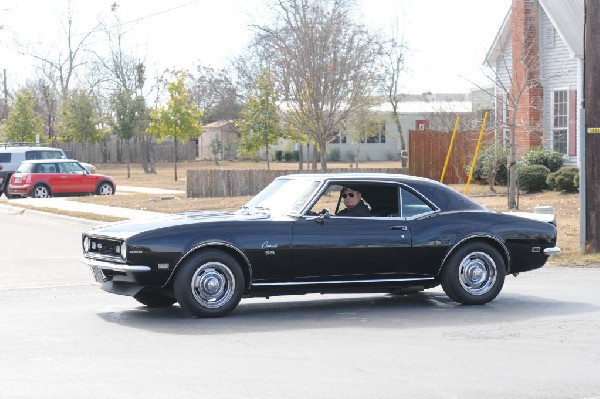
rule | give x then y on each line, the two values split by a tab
444	197
396	177
20	149
57	160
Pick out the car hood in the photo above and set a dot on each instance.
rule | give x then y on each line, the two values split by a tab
126	229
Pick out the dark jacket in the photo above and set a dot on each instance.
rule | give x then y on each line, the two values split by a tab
361	209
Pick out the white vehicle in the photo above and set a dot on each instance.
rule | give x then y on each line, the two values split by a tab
12	154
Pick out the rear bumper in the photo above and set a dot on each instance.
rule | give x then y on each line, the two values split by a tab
552	251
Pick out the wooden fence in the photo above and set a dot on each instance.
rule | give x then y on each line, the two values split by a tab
115	151
428	150
234	183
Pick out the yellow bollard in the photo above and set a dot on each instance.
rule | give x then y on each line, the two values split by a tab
449	149
476	152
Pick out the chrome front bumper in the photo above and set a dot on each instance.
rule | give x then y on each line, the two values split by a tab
115	266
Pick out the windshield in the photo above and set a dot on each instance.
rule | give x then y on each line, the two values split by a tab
283	196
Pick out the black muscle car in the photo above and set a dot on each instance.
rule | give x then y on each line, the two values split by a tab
288	240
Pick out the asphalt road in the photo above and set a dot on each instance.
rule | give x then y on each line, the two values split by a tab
62	337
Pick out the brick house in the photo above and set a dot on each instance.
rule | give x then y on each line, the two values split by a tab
537	59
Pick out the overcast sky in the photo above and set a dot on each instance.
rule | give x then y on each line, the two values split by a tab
448	40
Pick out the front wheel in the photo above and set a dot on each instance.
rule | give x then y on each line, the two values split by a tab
40	191
474	274
209	284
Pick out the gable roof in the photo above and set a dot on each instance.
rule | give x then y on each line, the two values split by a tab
219	124
499	41
568	19
566	16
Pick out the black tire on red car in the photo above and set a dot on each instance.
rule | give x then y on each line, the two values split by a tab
41	191
209	284
154	299
474	274
105	188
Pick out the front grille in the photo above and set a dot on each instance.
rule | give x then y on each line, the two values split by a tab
105	247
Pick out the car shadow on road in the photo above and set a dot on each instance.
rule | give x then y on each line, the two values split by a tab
423	310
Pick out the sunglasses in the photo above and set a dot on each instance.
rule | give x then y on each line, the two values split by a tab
351	195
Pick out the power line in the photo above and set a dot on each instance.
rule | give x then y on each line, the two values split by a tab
160	12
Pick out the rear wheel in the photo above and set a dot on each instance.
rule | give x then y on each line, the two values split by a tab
209	284
474	274
105	189
40	191
154	300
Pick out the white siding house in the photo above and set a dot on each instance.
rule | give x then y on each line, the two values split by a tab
558	40
416	113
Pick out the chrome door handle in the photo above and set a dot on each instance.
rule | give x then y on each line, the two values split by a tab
401	228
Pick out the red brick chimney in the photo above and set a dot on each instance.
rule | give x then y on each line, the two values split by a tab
526	74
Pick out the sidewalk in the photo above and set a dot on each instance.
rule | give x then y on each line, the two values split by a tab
68	204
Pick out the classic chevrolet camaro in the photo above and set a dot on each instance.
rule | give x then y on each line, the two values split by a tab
292	238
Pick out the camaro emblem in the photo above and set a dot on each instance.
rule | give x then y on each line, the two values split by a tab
266	245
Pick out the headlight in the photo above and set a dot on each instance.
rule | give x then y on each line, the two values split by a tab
86	244
124	250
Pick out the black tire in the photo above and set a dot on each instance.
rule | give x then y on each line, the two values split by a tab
209	284
154	300
474	274
105	188
41	191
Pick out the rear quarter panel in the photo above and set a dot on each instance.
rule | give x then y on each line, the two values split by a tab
434	236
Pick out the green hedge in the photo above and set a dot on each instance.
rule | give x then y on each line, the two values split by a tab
553	160
532	177
565	179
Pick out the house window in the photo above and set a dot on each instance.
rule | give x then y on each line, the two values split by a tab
378	135
560	121
340	138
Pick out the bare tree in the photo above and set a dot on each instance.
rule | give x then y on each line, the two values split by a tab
126	79
47	105
324	61
61	63
394	67
215	93
364	124
516	75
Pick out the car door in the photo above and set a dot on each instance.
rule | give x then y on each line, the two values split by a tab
74	178
348	248
51	176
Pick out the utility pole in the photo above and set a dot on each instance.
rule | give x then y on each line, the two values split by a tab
591	144
4	100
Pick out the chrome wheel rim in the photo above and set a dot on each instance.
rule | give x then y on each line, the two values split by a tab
105	189
213	285
477	273
40	192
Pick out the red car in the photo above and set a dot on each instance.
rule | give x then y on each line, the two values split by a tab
48	177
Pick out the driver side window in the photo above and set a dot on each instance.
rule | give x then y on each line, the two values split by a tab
328	200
